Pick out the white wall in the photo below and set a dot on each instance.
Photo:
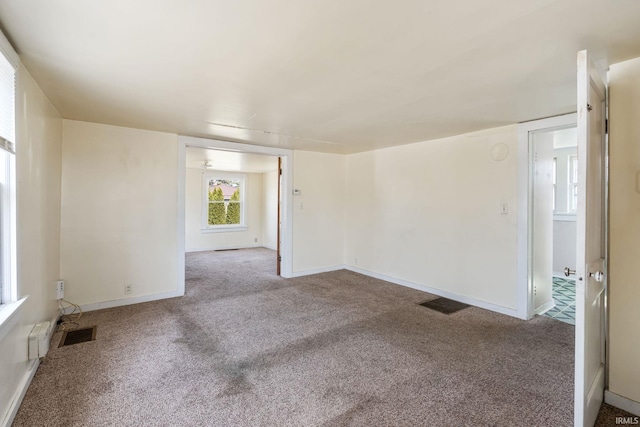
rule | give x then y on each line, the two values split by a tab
319	212
119	212
564	245
196	240
624	273
564	224
38	164
429	214
270	210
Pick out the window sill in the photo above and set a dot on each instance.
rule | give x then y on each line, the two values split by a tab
571	217
224	229
7	312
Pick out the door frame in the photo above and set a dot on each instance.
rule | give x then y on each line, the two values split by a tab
524	281
286	227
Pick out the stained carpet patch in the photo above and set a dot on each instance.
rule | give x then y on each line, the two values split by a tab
444	305
78	336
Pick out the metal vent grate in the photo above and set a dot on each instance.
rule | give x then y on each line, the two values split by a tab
78	336
444	305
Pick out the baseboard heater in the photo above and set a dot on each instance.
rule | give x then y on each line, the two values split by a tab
39	340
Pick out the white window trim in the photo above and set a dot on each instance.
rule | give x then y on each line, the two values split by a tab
7	313
223	228
565	216
8	225
9	303
570	185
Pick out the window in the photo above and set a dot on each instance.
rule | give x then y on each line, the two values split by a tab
224	202
573	183
8	63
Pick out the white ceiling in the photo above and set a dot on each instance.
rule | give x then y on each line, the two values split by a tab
230	161
334	76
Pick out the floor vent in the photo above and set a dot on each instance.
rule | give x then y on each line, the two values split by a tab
78	336
444	305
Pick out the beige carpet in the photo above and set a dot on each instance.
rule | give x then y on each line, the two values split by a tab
247	348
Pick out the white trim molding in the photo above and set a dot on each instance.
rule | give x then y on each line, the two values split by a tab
435	291
622	402
318	270
180	218
133	300
7	312
20	393
524	191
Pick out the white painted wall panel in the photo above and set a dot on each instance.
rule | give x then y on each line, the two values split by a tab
319	212
564	246
429	213
119	212
624	277
38	164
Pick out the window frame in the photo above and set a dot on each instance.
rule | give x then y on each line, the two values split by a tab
8	261
8	178
571	184
223	228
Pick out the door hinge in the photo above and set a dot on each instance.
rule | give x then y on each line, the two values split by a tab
589	107
279	258
280	171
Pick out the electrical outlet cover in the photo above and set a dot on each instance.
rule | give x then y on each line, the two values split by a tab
60	289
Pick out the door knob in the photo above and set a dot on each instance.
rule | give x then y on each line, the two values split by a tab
598	276
568	272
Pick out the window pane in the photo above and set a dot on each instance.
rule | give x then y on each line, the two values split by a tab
224	201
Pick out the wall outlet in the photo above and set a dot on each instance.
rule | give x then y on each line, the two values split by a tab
128	289
60	289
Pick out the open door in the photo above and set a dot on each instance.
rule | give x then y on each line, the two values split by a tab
278	251
591	268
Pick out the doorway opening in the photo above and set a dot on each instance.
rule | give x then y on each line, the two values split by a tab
283	254
547	220
232	201
554	202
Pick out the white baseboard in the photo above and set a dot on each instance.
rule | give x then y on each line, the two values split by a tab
621	402
467	300
318	270
19	395
223	248
129	301
545	307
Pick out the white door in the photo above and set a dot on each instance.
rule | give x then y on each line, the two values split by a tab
591	269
